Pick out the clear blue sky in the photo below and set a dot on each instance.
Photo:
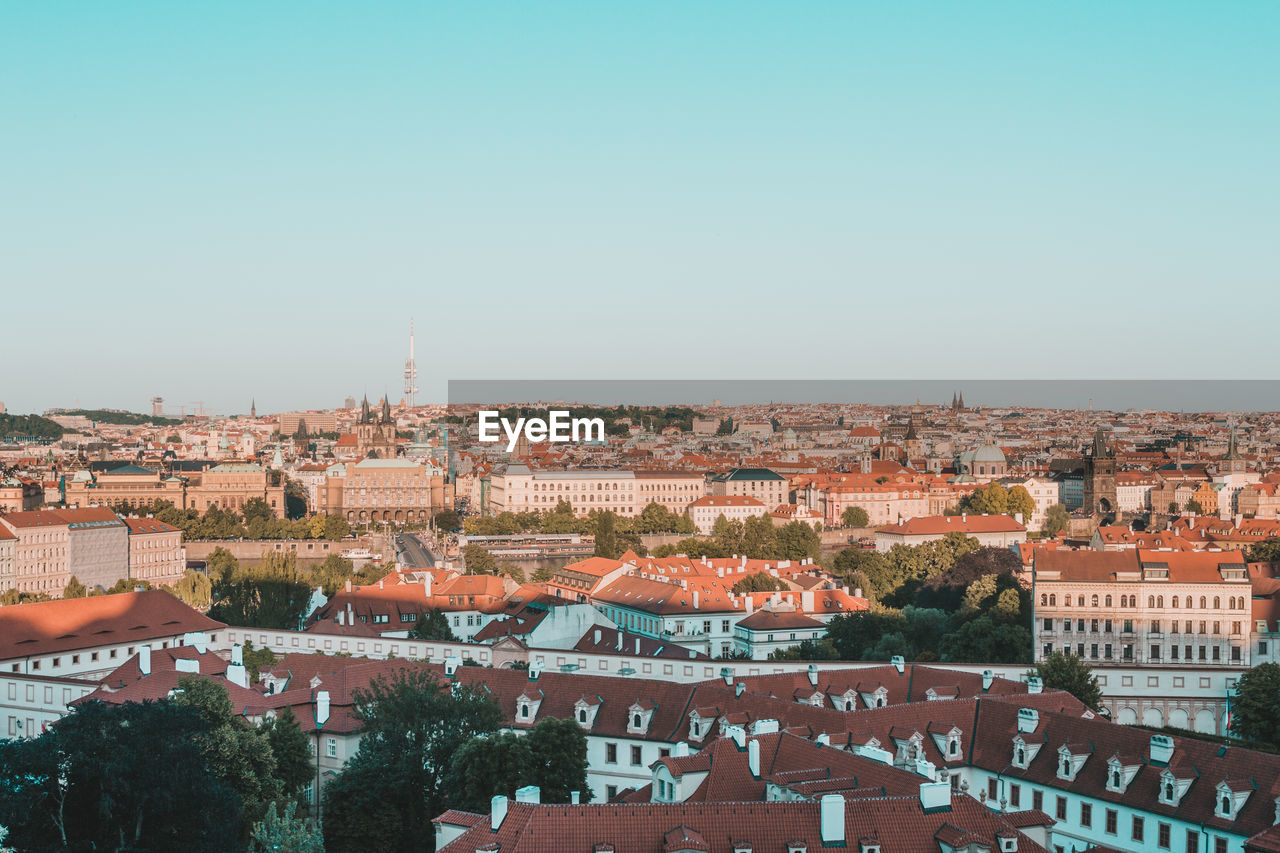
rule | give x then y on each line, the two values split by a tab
218	201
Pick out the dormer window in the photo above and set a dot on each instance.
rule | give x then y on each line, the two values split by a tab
1069	763
1231	799
582	715
1020	756
1120	773
638	717
1173	787
584	711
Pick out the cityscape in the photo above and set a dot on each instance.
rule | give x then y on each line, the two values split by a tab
639	428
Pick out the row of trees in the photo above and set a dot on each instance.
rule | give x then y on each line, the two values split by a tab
254	521
654	518
183	773
950	600
757	538
275	593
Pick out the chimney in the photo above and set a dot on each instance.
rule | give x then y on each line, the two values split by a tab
322	707
695	599
342	616
237	654
574	796
144	659
637	645
813	674
497	812
935	796
806	601
899	663
832	820
1161	749
1034	684
988	678
739	735
450	666
739	689
726	672
823	739
1028	719
619	641
1017	516
535	669
753	758
529	794
348	585
681	750
237	674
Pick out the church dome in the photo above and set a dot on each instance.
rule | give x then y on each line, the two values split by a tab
989	453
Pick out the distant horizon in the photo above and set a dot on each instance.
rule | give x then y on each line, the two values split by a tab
1177	396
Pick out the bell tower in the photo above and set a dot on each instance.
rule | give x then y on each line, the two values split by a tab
1100	477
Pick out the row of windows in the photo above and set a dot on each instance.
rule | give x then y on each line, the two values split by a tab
1188	626
1104	651
1153	601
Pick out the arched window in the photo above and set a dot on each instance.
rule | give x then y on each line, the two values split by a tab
1168	791
635	721
1188	602
1108	600
1159	601
1115	778
1093	601
582	715
1151	601
1044	599
1217	602
1203	603
1080	601
1226	804
1174	602
1053	600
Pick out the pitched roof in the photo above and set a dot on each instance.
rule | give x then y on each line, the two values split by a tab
937	525
75	623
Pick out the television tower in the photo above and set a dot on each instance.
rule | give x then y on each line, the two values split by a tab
410	370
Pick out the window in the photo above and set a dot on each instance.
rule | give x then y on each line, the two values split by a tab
611	753
1162	835
1193	841
1111	821
1139	826
1037	800
1086	814
1062	808
1219	845
331	747
993	790
610	792
636	756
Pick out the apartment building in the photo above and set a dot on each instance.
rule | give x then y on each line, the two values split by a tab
1166	608
705	511
674	490
768	487
521	489
156	554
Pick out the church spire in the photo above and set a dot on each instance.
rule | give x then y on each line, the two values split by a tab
1232	451
366	415
253	408
386	410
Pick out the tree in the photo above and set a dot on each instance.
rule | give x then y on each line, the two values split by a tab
433	625
332	574
256	659
1061	671
1255	707
728	534
256	508
447	519
270	595
236	752
606	537
1056	520
992	499
946	590
413	723
291	750
854	516
335	528
799	541
726	427
485	767
1267	551
478	561
286	833
194	589
1021	503
559	751
870	569
116	777
760	538
1194	507
759	582
984	640
74	589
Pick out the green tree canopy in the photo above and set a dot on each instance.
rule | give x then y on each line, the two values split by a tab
478	560
1255	706
1056	520
433	625
1061	671
854	516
